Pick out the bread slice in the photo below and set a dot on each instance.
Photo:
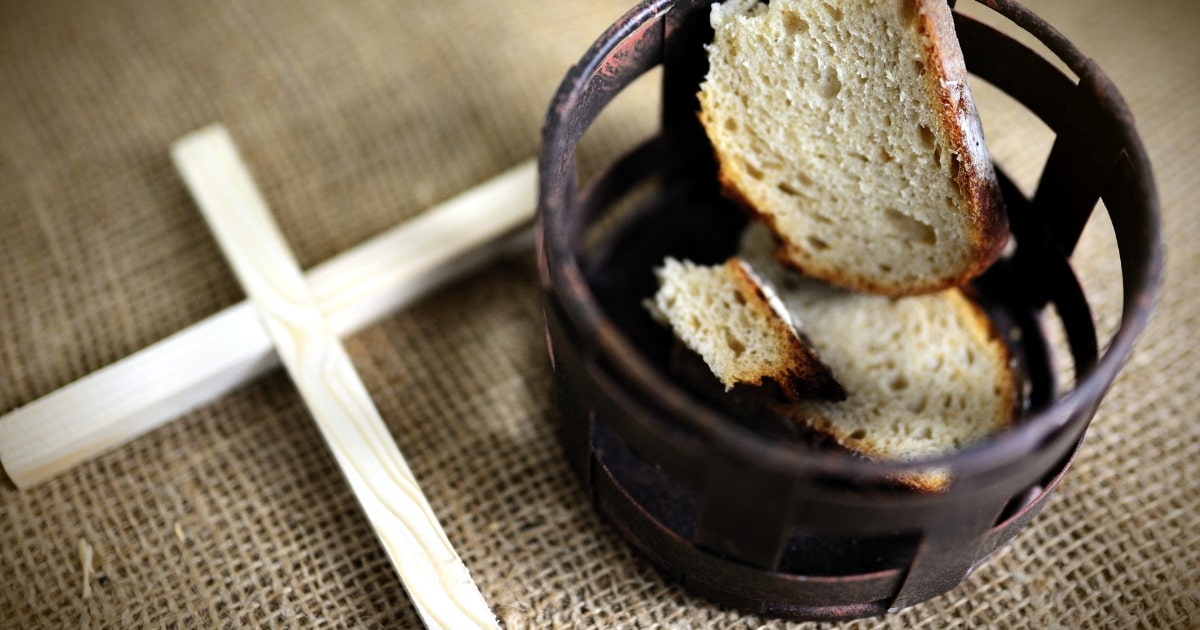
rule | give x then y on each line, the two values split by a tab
924	375
849	127
736	323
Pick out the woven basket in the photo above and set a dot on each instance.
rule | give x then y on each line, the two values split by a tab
728	509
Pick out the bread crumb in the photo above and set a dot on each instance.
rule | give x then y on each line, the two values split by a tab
179	532
86	555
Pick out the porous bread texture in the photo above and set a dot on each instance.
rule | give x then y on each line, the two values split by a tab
849	127
924	375
736	323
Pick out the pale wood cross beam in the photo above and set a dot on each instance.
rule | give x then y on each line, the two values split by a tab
201	363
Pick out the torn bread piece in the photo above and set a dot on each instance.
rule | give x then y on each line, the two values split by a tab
735	322
850	129
924	375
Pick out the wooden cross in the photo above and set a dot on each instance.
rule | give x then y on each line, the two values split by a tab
297	320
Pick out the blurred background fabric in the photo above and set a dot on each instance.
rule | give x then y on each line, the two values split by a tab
354	116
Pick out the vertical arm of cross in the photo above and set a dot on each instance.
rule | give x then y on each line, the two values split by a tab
435	577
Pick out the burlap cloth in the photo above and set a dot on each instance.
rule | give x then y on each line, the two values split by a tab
354	116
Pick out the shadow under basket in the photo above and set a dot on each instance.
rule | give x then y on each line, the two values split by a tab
738	511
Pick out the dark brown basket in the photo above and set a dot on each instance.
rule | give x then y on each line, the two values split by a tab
741	514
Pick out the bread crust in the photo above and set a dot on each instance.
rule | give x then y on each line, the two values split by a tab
976	176
806	376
